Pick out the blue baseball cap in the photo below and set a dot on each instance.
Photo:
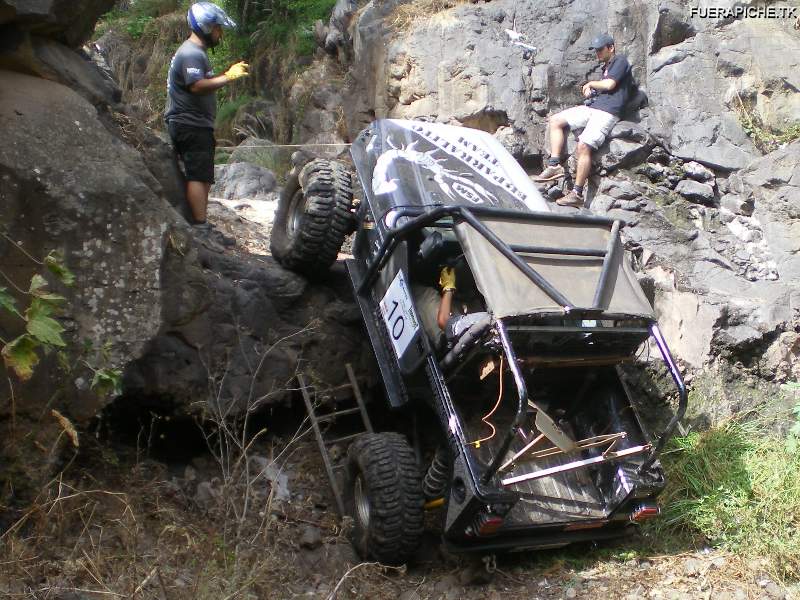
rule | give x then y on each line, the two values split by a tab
601	41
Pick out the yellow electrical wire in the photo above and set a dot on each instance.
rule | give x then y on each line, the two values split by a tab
477	443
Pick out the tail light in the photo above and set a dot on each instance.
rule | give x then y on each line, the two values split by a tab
486	525
646	510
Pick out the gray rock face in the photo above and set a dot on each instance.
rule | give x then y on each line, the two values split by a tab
69	21
696	191
337	35
248	324
319	109
50	59
619	153
464	71
698	172
724	277
243	180
619	189
698	116
737	204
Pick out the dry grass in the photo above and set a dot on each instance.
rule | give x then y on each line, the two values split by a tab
138	533
406	15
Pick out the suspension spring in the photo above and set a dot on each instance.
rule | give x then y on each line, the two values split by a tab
435	482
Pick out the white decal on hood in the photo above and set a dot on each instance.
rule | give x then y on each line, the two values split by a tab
451	183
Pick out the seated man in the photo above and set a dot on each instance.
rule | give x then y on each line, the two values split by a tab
605	100
436	313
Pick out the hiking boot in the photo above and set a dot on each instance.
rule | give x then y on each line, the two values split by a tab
212	238
573	198
550	173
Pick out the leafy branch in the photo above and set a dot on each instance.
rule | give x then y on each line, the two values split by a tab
43	332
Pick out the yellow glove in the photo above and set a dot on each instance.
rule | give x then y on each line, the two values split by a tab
447	279
237	70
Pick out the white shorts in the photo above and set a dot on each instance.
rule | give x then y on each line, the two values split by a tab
597	124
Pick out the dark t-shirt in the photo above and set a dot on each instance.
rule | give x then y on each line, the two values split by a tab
190	64
618	69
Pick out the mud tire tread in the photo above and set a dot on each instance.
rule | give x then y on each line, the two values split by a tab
393	482
326	219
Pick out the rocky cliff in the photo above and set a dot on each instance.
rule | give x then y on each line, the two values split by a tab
710	219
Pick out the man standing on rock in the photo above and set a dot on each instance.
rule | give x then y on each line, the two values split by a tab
605	100
192	105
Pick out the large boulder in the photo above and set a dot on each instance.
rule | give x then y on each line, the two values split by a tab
51	59
69	21
69	184
243	181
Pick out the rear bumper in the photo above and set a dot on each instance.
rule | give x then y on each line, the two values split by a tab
523	539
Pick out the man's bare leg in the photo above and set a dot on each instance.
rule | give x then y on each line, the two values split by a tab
553	169
584	155
584	159
556	127
197	197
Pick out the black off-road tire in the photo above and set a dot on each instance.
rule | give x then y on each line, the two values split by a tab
313	217
383	494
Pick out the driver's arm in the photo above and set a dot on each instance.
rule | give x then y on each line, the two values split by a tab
447	281
445	307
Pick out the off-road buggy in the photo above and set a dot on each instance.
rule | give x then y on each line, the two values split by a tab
525	434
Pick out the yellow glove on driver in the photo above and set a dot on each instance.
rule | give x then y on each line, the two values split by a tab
237	70
447	279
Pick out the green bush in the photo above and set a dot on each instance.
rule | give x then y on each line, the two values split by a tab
738	488
227	108
135	19
136	26
281	22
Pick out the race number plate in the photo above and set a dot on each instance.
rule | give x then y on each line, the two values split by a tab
398	314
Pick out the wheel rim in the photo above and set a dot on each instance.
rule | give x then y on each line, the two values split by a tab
361	501
296	209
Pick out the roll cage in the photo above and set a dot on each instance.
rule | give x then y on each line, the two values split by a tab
597	319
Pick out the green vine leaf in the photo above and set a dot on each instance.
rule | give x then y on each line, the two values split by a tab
41	326
7	302
38	285
107	381
20	356
55	263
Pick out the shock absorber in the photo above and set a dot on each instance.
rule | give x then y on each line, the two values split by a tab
435	482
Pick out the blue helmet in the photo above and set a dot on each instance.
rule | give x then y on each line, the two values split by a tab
203	16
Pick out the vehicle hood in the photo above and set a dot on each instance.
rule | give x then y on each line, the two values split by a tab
415	163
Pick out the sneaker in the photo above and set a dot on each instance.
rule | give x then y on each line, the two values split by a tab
571	199
550	173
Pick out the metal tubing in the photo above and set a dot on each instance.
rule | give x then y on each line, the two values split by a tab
421	218
576	465
539	216
682	393
588	252
391	241
511	358
518	215
610	255
529	272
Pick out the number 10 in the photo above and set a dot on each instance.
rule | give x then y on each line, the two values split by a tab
399	323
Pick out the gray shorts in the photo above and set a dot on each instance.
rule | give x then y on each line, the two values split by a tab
597	124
